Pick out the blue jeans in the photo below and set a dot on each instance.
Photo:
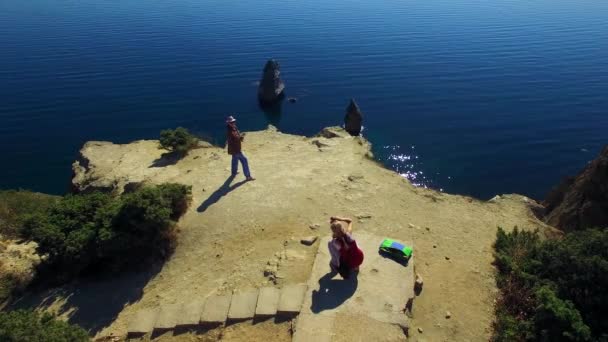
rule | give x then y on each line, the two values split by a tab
235	164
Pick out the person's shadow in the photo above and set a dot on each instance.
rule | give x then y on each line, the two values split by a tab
333	292
222	191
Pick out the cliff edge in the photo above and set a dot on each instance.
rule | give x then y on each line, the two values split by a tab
247	234
582	201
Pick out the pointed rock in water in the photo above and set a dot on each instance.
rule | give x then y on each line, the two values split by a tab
271	86
353	119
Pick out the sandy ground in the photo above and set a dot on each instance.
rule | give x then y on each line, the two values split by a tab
234	230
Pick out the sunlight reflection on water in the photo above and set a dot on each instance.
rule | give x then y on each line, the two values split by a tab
405	162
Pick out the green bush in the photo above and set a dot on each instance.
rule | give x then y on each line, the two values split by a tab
15	204
552	290
178	140
29	326
84	231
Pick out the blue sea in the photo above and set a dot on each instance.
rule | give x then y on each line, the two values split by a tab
476	97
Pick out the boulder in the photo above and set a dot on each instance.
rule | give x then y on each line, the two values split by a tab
418	284
353	119
309	240
271	86
582	201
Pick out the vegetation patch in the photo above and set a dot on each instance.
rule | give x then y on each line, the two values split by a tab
178	141
92	231
30	326
16	204
552	290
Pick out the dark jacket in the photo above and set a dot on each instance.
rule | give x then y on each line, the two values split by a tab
234	139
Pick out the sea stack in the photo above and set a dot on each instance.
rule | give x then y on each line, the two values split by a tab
353	118
271	86
581	202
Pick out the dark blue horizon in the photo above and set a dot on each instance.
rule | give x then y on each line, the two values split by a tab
467	96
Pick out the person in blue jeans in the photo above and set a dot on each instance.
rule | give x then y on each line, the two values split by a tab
235	138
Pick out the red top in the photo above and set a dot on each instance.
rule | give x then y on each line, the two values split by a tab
233	137
350	253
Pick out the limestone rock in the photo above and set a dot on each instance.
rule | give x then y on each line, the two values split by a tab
84	178
418	284
582	201
353	119
107	167
309	240
271	86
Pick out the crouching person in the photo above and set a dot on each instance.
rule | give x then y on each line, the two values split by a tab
346	256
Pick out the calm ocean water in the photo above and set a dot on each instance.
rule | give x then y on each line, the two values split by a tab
470	96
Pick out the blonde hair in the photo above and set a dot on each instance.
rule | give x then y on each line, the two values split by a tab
338	229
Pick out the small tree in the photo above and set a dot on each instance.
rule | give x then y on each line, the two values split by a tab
25	325
83	231
178	140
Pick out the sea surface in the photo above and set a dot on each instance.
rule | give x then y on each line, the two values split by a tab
476	97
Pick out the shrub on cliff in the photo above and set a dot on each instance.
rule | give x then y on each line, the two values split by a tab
16	204
552	290
88	230
26	326
179	140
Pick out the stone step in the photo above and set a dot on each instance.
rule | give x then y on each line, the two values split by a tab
291	299
143	322
313	328
191	314
242	306
268	302
215	309
168	316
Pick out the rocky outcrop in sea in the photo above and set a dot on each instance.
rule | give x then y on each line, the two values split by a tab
271	86
353	119
582	201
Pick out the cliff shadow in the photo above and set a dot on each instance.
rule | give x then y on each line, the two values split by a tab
222	191
333	292
91	302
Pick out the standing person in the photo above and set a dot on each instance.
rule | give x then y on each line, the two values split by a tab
346	257
234	148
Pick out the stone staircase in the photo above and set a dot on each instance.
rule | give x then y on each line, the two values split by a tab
368	307
257	304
